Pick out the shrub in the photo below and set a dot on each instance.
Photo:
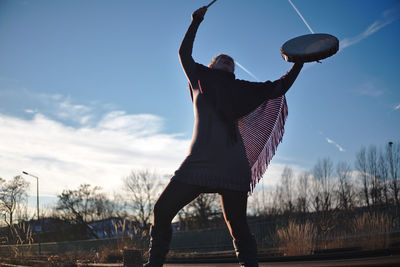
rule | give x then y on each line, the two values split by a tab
297	239
372	230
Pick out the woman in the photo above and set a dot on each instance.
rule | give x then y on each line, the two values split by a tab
219	160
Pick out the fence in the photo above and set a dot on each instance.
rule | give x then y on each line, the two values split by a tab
52	248
185	241
204	240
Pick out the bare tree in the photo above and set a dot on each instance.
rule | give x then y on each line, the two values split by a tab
393	155
84	205
11	195
258	201
323	181
2	210
361	167
277	200
345	189
142	187
203	208
200	213
287	189
283	194
383	177
372	167
119	205
323	184
303	188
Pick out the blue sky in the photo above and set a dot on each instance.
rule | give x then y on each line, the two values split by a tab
90	89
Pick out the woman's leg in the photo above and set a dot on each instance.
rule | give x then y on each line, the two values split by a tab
234	206
174	197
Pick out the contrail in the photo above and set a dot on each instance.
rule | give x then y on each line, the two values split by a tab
301	16
247	71
330	141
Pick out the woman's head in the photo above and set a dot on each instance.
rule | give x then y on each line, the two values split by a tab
223	62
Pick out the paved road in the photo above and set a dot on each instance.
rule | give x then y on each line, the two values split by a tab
377	261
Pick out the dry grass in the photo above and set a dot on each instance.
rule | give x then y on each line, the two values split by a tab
128	236
297	239
372	230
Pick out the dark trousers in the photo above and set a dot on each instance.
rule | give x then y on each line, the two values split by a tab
177	195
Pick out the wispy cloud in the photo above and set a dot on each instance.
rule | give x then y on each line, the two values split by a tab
55	106
397	107
370	92
30	111
140	124
339	147
369	89
389	16
331	141
99	153
75	112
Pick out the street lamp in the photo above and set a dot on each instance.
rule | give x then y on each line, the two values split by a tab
37	205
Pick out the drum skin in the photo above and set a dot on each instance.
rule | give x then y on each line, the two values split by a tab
310	47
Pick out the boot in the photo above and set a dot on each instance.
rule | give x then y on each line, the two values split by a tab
246	252
160	239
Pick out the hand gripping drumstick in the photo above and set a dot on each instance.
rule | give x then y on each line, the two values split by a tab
211	3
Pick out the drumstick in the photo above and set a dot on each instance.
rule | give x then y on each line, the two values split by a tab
211	3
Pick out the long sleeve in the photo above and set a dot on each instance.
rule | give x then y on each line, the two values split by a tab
185	50
281	86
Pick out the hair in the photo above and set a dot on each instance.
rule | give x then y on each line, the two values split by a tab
221	55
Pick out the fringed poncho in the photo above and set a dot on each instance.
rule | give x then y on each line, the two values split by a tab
262	130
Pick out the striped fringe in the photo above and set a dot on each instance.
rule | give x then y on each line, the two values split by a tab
262	131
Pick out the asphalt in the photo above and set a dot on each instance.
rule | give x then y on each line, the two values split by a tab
374	261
